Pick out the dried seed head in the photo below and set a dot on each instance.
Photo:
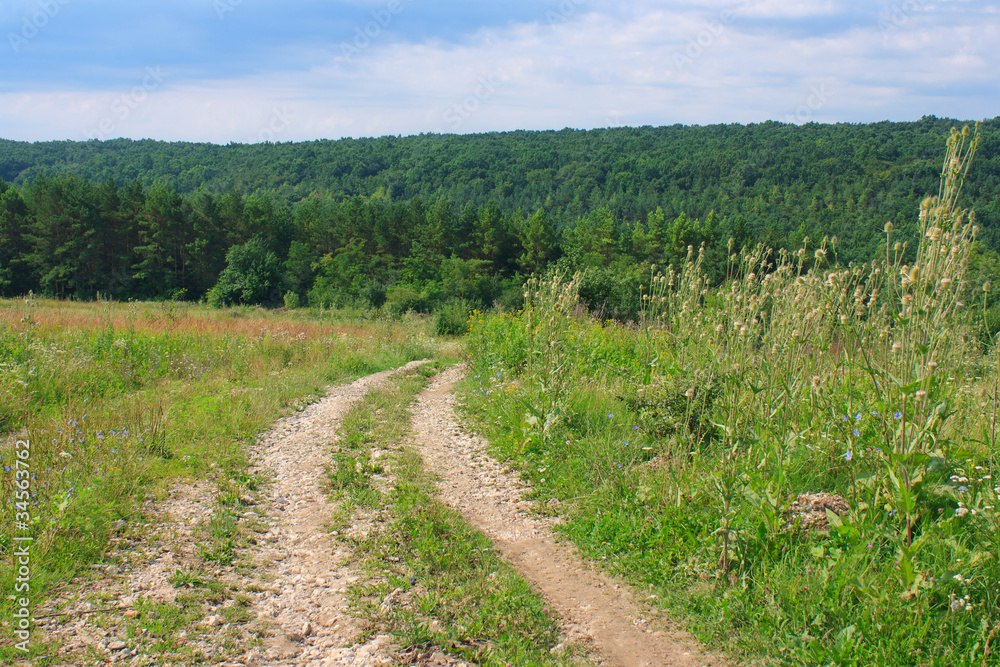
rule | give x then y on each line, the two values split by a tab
921	395
888	227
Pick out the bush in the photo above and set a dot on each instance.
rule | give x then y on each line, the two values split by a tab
291	300
404	297
452	317
612	294
252	276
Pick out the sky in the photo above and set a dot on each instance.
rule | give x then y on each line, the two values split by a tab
249	71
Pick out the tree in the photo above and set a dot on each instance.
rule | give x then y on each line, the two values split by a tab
63	236
165	234
15	273
538	241
252	276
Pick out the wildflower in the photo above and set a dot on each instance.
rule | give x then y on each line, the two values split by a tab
611	415
921	395
849	455
856	432
897	415
857	417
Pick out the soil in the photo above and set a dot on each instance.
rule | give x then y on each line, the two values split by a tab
294	592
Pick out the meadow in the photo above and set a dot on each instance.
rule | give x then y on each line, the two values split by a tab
799	465
120	400
687	448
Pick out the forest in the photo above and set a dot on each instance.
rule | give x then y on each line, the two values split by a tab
411	223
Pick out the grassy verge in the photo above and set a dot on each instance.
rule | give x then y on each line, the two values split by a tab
684	448
432	581
117	401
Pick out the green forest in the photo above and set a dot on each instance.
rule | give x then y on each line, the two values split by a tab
411	223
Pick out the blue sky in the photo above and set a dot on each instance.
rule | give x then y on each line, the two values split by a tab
254	70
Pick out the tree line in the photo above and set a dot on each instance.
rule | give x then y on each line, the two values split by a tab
417	220
67	237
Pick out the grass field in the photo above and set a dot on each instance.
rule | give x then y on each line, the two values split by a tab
119	400
681	442
800	465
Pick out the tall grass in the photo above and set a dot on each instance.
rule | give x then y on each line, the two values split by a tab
117	400
682	443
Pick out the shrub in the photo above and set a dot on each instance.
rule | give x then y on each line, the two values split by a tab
252	276
291	300
452	317
404	297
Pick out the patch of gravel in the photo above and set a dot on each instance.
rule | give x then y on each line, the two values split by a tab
306	603
593	607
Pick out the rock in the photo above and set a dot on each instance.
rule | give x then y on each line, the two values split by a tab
282	648
307	629
116	646
808	511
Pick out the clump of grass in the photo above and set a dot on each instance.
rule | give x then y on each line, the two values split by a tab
681	445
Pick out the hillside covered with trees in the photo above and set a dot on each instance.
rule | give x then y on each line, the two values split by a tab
423	219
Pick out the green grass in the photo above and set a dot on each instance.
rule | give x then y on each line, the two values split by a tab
120	401
678	445
443	583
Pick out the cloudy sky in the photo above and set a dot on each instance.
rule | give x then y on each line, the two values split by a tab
256	70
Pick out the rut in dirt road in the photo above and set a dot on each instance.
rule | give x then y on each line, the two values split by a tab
307	605
592	606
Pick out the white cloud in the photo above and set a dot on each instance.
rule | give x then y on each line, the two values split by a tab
597	68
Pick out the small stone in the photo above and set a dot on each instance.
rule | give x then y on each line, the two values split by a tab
307	629
116	645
